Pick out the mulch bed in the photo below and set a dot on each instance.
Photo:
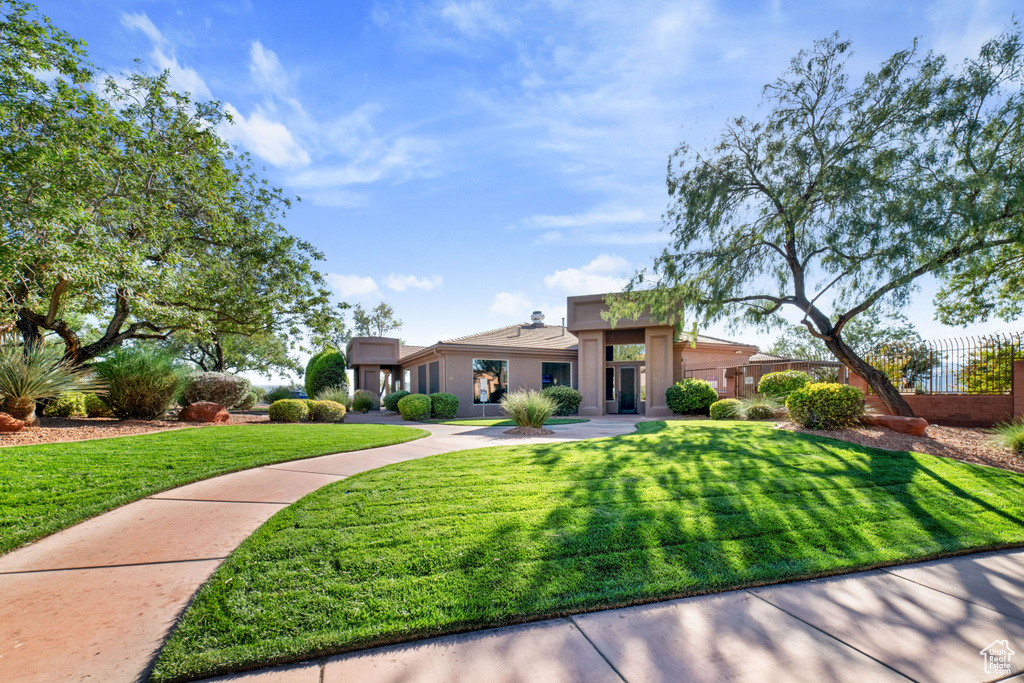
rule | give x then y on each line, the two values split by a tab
959	443
528	431
60	429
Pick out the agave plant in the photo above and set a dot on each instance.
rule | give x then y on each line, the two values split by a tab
32	372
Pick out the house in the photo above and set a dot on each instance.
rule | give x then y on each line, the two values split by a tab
622	369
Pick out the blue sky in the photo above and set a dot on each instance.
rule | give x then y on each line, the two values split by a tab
469	161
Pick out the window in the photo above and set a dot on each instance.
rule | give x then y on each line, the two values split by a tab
609	384
435	377
421	379
490	380
555	375
407	381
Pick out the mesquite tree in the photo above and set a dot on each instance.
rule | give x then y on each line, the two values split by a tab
842	195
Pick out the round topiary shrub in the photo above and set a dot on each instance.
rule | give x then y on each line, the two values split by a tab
726	409
567	400
782	384
141	382
826	406
443	406
217	387
249	401
391	400
325	411
363	401
691	396
328	370
310	364
95	407
414	407
289	410
71	404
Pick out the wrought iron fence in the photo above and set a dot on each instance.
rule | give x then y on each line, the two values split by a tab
744	376
967	365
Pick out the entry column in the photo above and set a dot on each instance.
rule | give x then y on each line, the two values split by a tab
591	372
658	359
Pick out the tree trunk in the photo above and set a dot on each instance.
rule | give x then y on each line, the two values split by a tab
219	351
29	330
875	378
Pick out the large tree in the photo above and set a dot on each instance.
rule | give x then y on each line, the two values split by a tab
843	195
131	210
376	322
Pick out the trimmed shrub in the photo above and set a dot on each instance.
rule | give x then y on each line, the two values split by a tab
249	401
310	364
414	407
528	408
325	411
277	394
391	400
691	396
567	400
96	406
1011	435
218	387
726	409
71	404
782	384
826	406
337	394
329	370
443	406
363	400
289	410
141	382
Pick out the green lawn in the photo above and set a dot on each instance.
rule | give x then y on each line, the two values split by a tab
504	422
500	535
50	487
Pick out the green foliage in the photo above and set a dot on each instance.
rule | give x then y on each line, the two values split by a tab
261	394
726	409
691	396
338	394
782	384
326	411
277	394
289	410
96	406
414	407
363	401
219	387
759	407
391	400
443	406
990	371
1011	435
262	353
249	401
141	382
329	370
826	406
71	404
310	364
567	400
376	322
35	372
528	408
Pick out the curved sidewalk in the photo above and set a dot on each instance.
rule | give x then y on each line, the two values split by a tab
96	601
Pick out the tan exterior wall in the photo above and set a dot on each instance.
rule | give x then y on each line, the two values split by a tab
658	361
591	380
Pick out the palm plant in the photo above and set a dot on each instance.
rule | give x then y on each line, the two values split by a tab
29	373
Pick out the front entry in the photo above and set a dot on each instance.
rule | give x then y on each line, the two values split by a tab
627	390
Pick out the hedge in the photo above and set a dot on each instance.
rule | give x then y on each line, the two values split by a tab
726	409
443	406
691	396
391	400
414	407
782	384
567	400
826	405
289	410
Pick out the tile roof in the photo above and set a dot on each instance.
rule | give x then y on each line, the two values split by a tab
685	337
521	336
404	351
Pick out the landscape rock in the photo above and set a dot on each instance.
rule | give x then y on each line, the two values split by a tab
528	431
204	411
914	426
9	424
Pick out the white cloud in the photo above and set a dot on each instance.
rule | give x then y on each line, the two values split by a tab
400	283
403	158
266	70
352	285
474	17
269	140
510	304
604	274
182	78
595	217
337	198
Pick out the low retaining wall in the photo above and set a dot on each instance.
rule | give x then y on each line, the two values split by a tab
956	410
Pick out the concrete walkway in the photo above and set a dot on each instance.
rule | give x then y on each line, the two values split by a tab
96	601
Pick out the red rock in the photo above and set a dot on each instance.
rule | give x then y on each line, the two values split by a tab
9	424
914	426
204	411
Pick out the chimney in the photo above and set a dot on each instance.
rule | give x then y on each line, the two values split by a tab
537	318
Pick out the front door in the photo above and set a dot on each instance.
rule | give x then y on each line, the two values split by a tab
627	390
